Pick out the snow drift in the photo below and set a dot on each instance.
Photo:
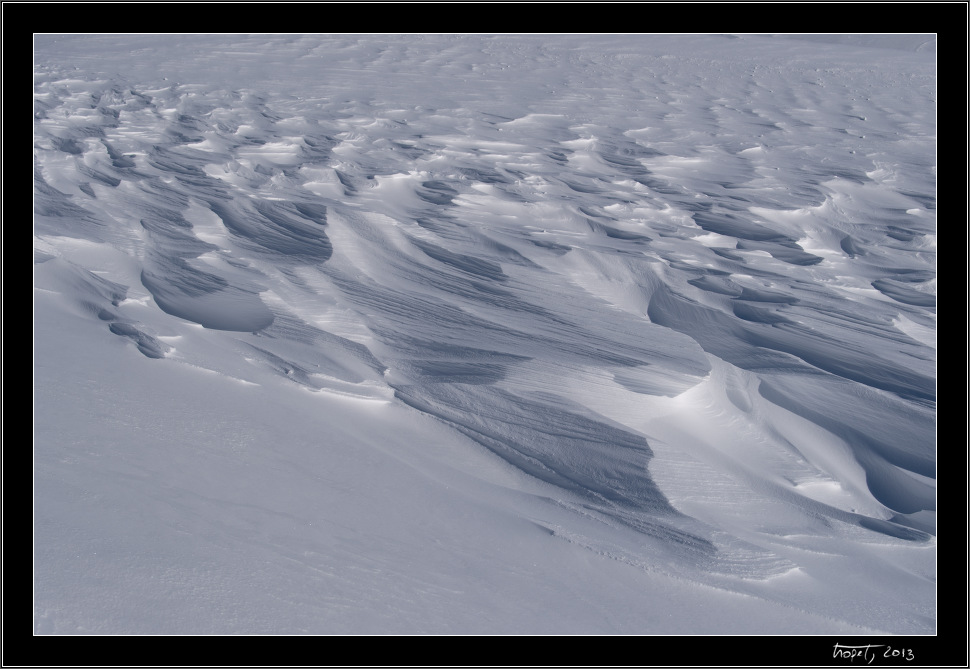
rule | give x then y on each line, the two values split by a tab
432	334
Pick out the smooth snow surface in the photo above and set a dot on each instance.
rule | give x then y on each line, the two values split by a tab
468	334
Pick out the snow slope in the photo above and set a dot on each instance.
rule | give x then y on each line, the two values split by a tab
419	334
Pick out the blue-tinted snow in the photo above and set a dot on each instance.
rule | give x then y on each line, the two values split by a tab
394	334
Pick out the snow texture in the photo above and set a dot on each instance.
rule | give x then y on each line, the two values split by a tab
616	334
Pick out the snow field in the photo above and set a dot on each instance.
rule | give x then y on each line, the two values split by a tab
472	334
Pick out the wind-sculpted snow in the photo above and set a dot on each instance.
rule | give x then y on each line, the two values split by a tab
671	300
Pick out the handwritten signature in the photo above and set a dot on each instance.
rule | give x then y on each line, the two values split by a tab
870	652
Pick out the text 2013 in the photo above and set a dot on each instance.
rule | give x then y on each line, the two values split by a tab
869	653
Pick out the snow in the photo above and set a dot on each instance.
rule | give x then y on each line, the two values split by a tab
452	334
